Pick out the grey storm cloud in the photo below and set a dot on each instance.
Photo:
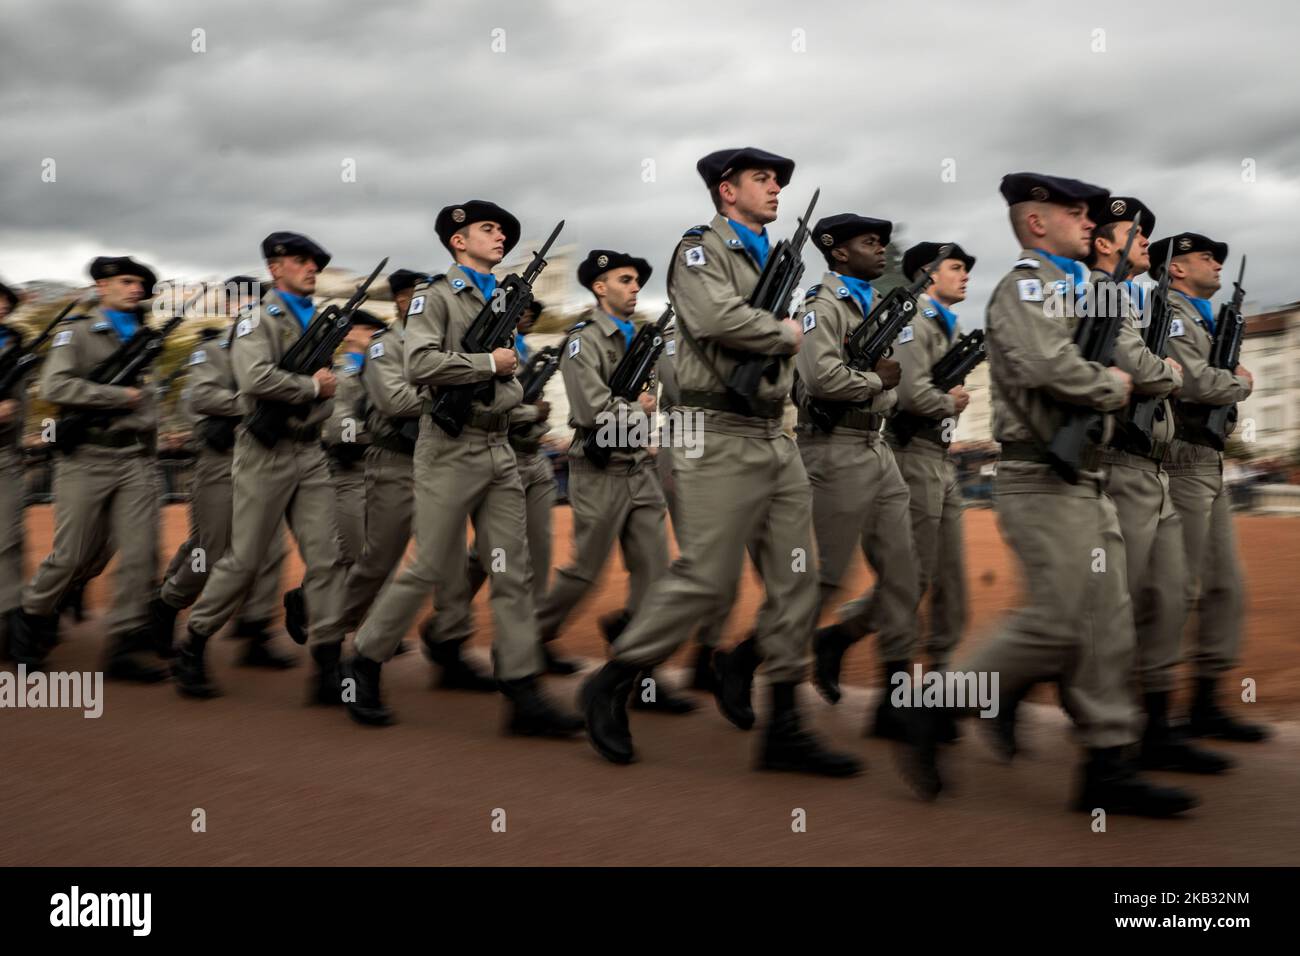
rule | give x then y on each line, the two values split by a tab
187	159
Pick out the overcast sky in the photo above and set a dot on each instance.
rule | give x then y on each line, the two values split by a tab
187	159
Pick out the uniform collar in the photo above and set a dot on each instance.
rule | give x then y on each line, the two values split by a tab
1202	306
1072	268
300	305
722	226
485	282
124	323
945	317
757	244
861	291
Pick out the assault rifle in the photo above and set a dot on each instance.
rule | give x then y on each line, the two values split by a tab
629	380
1212	424
946	374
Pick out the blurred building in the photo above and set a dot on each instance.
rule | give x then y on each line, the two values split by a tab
976	423
1270	348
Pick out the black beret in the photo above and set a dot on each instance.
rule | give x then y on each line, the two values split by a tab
832	230
210	333
537	307
1184	244
600	261
716	167
369	319
1026	187
923	253
10	294
294	244
1121	209
452	219
105	267
402	279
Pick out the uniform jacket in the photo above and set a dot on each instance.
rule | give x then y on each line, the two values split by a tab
262	335
80	343
592	351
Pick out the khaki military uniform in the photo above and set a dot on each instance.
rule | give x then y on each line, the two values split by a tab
389	492
1153	537
859	498
1077	621
1200	495
211	402
622	502
106	491
12	487
346	440
747	485
290	482
473	476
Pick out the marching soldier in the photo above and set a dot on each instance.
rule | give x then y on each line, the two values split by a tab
212	400
934	492
1078	622
107	488
471	476
289	481
1138	482
1213	577
623	501
747	486
859	497
13	415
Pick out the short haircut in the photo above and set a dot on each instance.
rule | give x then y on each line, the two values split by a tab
1106	232
715	192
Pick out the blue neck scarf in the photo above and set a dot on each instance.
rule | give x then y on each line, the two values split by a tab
4	336
756	243
949	317
861	290
299	305
354	361
1202	306
522	348
626	327
1076	270
485	282
125	324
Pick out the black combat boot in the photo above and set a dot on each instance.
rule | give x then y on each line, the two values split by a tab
829	645
258	654
662	700
532	715
604	704
733	673
1108	781
787	746
1207	719
162	626
73	602
889	722
295	615
31	637
128	656
189	668
368	707
918	755
456	673
702	677
1162	749
326	686
1002	728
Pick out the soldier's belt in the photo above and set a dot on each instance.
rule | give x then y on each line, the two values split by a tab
1158	453
766	408
1024	451
307	433
524	446
1193	436
116	438
863	421
934	433
488	421
393	443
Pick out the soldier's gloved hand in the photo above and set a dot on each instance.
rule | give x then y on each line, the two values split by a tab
890	372
648	403
1125	378
506	361
961	398
133	396
325	383
794	326
543	409
8	409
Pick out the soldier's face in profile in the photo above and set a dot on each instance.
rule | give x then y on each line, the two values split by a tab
1200	272
527	322
950	281
862	256
295	273
618	289
482	242
120	292
754	193
1068	230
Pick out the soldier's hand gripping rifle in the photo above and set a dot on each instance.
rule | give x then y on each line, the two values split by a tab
776	285
313	351
629	380
873	338
1134	432
493	328
1082	428
20	359
1212	424
946	374
124	369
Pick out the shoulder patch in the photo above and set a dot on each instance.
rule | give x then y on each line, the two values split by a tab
695	231
61	339
100	326
812	291
670	347
244	327
575	346
198	357
274	310
1027	264
735	244
416	306
809	321
842	292
929	313
576	327
376	350
1031	290
906	334
1176	328
458	284
695	256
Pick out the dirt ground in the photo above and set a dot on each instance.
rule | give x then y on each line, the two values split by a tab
280	783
